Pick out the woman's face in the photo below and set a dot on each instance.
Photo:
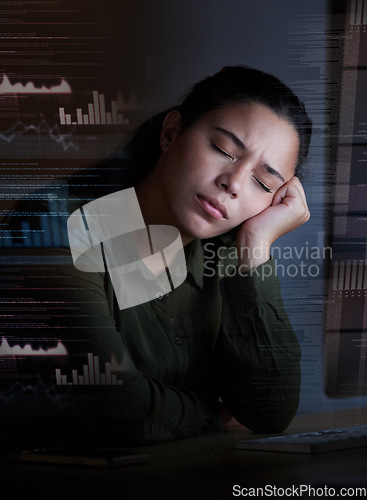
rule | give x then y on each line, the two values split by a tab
222	170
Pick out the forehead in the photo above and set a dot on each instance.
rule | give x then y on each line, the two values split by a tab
251	113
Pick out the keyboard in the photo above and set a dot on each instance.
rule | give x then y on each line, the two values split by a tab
342	438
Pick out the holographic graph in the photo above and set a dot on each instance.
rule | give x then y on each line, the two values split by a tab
97	114
27	350
358	12
350	275
19	129
155	432
40	389
29	88
91	374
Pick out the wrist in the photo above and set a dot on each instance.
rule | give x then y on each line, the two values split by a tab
252	254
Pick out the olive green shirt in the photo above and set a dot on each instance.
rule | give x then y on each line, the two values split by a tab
214	340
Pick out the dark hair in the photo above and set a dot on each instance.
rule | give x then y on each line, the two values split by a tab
232	84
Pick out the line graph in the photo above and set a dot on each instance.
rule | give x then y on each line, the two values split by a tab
29	88
43	128
18	389
27	350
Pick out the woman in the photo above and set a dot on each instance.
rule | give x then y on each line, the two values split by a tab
221	167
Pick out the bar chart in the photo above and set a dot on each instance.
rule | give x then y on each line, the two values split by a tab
155	432
96	113
350	275
91	374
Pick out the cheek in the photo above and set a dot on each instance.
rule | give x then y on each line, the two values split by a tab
184	165
252	207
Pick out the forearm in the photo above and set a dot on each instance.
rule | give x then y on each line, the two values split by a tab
258	353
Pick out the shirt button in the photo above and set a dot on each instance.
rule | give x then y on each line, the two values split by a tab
178	340
159	295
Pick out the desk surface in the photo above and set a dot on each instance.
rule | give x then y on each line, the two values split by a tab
205	467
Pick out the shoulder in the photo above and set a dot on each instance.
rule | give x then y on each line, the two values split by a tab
221	247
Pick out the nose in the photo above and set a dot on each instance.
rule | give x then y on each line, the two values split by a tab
232	182
232	195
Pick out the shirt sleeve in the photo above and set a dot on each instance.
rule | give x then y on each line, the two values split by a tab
258	354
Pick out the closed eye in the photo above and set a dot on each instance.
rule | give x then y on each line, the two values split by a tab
265	188
222	151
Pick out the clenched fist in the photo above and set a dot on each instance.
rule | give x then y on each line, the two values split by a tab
288	211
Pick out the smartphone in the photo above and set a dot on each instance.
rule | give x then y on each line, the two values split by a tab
93	457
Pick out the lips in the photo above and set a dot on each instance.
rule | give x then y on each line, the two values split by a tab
212	207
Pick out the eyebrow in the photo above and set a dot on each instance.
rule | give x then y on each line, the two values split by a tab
232	136
241	145
272	171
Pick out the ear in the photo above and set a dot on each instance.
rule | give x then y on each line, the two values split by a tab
171	128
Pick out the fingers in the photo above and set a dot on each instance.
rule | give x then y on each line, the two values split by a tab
293	195
292	188
297	184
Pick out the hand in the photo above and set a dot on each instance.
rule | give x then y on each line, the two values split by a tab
226	421
288	211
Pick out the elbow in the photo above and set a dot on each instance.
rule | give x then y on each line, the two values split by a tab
271	425
267	416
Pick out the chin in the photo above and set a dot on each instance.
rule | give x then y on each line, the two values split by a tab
205	233
195	227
